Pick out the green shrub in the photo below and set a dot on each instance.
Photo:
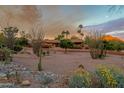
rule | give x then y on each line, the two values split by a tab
66	43
80	80
17	48
21	41
115	45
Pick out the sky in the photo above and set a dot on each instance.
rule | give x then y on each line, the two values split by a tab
55	19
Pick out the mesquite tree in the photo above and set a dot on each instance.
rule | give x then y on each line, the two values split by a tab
10	33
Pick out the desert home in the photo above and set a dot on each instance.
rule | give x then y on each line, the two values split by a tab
56	43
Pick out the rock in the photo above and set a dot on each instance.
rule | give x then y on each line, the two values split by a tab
2	75
26	83
45	78
7	85
12	73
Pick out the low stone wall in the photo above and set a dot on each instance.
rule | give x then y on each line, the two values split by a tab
116	53
87	50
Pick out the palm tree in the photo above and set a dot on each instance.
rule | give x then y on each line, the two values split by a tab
80	30
80	26
65	33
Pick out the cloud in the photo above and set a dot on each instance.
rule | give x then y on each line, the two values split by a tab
115	32
114	27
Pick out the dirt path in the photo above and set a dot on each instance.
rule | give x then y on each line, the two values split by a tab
61	63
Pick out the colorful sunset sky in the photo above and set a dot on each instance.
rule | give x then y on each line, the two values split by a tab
55	19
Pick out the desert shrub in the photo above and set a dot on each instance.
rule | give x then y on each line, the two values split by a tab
96	45
80	79
110	77
2	40
5	55
18	48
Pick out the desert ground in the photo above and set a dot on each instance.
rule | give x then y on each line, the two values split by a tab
60	63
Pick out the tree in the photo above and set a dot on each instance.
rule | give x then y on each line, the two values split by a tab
10	34
21	41
66	43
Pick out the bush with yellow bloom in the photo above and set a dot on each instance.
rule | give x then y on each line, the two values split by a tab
110	77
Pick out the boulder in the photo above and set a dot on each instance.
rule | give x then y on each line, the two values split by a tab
26	83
